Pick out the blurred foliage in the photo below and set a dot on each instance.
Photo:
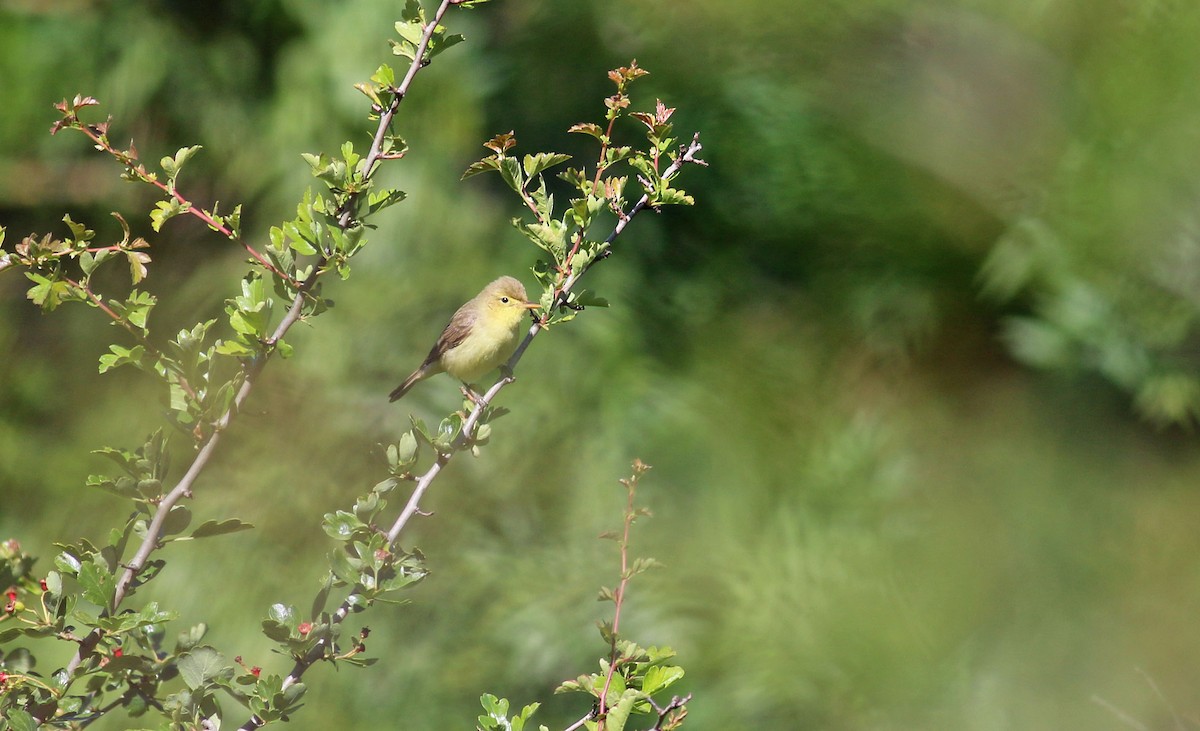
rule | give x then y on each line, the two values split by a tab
891	368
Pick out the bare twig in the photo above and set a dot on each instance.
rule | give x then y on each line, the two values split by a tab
129	159
664	713
580	723
1124	717
1179	725
614	659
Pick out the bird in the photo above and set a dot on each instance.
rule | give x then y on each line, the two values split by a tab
481	336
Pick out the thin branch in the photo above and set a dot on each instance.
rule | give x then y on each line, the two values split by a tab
664	712
318	652
1122	716
130	158
580	723
619	601
119	320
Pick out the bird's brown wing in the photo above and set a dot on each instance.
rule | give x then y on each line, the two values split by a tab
456	332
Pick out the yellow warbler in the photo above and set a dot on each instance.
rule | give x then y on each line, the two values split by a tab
482	335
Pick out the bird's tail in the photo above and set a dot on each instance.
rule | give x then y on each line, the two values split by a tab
402	389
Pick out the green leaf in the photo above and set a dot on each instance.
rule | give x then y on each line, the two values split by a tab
448	431
97	582
551	237
200	665
614	155
660	678
588	299
342	525
68	564
345	570
135	309
283	614
234	348
384	76
618	715
419	429
588	128
137	265
496	707
441	42
641	565
172	166
20	720
122	356
189	638
150	616
210	528
671	197
577	179
166	210
80	234
481	166
377	200
406	449
48	293
510	171
535	164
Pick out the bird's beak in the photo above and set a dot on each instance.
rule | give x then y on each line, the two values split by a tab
532	305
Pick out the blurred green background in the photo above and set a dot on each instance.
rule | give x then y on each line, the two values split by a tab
917	373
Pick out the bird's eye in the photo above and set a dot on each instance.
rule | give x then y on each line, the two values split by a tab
504	300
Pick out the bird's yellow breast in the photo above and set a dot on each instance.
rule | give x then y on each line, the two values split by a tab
493	338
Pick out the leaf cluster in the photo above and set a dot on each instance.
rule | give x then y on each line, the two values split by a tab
121	660
566	234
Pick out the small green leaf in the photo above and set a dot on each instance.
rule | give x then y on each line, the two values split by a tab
660	678
199	665
618	715
535	164
384	76
137	265
234	348
481	166
406	450
20	720
97	582
211	528
166	210
588	128
283	614
121	356
67	563
342	525
189	638
172	166
510	171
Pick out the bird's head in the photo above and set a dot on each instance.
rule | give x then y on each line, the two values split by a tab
505	300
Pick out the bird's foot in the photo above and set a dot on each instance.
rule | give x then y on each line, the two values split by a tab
470	394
